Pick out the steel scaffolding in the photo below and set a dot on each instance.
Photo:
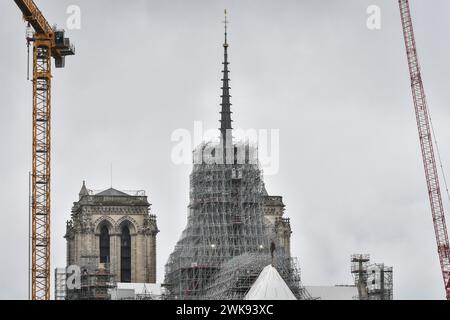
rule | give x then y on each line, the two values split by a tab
237	276
60	283
374	281
96	281
225	223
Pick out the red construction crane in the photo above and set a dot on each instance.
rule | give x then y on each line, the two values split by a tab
47	43
426	143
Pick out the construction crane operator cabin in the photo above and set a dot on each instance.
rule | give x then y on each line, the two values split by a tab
223	229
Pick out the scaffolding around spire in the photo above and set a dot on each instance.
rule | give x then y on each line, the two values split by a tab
226	241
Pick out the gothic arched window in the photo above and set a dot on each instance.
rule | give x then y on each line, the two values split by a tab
104	245
125	255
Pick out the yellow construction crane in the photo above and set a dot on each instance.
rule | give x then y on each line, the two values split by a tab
47	42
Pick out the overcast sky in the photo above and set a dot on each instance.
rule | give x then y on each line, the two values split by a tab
351	174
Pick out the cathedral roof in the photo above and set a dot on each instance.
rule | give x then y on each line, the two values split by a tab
111	192
111	197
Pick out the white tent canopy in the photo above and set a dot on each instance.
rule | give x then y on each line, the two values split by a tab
269	286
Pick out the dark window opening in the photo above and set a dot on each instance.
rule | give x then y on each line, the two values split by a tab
104	245
125	255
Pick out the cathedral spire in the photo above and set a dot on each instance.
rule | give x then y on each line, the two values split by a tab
225	120
84	191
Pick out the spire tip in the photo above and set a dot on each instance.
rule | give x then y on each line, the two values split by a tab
225	121
226	27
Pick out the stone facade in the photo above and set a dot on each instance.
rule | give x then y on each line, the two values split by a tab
279	228
117	229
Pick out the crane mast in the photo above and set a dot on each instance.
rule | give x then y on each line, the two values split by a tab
47	43
426	143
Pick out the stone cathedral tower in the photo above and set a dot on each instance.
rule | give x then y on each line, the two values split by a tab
114	229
